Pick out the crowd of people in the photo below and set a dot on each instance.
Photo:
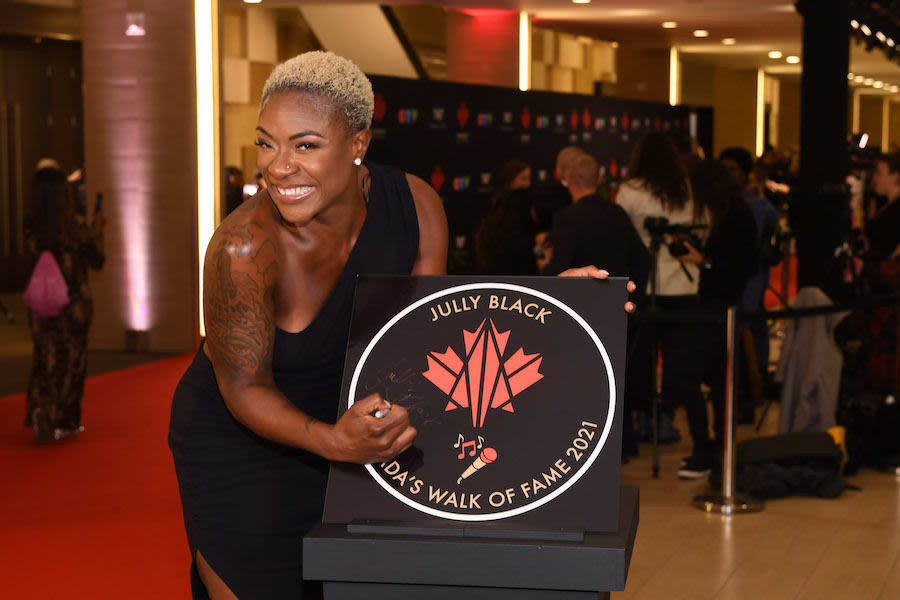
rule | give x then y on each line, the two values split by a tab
694	234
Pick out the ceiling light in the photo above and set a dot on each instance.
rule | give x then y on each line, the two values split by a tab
854	23
700	33
581	1
878	85
252	1
850	76
890	42
868	81
669	25
865	29
729	41
895	88
858	79
881	37
775	54
793	60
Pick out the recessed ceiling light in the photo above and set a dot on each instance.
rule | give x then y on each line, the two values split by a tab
868	81
850	76
775	54
669	25
865	29
895	88
729	41
793	60
858	79
890	42
878	84
881	37
700	33
581	1
854	23
252	1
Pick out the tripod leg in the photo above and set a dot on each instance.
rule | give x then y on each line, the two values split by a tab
654	400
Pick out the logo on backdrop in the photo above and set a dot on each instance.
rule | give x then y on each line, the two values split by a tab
407	116
437	179
462	114
526	118
493	376
380	108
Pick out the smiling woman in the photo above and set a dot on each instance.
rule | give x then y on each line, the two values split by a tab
253	419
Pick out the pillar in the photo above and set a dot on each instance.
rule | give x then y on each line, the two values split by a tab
141	154
821	217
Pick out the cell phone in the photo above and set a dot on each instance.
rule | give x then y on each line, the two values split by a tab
98	205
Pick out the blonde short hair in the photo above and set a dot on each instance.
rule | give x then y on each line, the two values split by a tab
330	75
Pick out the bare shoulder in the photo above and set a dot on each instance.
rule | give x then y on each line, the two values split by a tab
240	275
432	256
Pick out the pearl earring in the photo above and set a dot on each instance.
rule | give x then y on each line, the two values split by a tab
357	161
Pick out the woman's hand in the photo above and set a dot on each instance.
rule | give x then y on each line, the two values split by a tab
693	255
358	437
592	271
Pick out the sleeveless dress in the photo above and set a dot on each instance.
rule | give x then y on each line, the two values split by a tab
248	501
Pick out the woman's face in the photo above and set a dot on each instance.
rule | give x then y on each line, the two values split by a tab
522	181
884	182
306	154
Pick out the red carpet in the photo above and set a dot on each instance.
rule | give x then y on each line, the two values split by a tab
97	516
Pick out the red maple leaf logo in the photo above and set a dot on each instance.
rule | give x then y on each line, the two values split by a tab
437	179
380	108
462	114
526	118
483	379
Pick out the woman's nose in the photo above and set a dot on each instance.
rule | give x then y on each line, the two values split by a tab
284	164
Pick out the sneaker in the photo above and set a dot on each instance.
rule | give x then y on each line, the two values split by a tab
694	468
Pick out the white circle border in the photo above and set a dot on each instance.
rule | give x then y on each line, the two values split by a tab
533	505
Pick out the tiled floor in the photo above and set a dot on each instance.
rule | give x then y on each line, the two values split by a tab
796	548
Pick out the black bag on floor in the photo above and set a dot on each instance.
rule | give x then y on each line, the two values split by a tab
806	464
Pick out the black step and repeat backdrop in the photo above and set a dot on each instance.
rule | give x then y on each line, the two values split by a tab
457	136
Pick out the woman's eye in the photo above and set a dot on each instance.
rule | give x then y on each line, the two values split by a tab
306	146
261	144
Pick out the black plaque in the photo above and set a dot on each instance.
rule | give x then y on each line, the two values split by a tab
515	387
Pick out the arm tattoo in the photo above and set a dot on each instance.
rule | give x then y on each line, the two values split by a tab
240	274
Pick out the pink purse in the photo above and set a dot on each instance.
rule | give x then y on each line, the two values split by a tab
47	293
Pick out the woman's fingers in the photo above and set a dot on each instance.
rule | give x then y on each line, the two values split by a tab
630	307
631	287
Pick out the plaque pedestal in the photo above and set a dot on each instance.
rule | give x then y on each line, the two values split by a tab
386	563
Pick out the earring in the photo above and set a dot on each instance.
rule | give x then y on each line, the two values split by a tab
357	161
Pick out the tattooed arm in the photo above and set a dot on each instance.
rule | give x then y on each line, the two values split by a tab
240	274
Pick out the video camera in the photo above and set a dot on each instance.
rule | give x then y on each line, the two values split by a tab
658	227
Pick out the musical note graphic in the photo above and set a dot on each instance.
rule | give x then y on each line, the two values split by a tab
462	453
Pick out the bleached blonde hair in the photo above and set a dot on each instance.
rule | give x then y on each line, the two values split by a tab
330	75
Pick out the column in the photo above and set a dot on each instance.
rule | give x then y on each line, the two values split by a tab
821	218
141	153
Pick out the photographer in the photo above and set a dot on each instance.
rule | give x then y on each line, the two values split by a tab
728	259
659	188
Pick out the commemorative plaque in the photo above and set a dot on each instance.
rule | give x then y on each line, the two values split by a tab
514	386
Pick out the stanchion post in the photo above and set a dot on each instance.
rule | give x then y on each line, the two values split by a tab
728	502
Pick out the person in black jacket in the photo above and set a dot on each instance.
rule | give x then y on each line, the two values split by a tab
728	259
593	230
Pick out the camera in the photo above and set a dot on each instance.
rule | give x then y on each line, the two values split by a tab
660	226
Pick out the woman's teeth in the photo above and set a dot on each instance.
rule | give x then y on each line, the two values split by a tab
294	192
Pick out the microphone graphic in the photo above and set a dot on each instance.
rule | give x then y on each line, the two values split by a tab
487	456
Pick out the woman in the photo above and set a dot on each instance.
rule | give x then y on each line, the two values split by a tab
56	386
504	242
728	259
657	187
253	419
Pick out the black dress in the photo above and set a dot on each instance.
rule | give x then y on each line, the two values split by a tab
247	501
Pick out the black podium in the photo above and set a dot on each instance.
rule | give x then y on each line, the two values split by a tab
390	565
511	490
